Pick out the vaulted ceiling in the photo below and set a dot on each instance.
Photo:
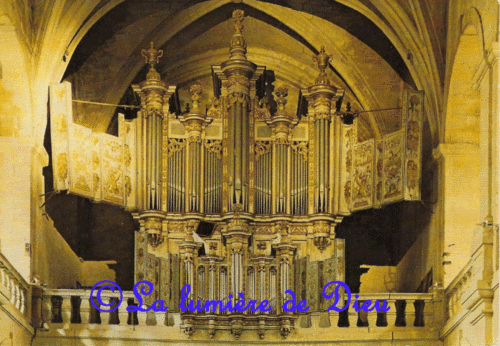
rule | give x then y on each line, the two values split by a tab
280	35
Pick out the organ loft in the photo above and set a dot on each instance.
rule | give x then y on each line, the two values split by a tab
241	195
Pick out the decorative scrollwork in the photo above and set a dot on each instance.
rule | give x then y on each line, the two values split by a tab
301	148
174	145
195	138
261	148
282	139
214	146
285	331
261	246
215	110
237	96
299	230
264	230
212	246
261	110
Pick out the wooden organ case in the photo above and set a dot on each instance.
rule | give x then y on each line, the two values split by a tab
273	184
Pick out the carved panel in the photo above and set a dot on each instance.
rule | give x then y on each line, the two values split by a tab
392	184
112	169
313	286
165	280
127	131
152	273
379	173
346	168
413	116
61	115
141	249
97	166
80	160
362	175
340	255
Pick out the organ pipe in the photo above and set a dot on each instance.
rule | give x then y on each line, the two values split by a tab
238	71
154	95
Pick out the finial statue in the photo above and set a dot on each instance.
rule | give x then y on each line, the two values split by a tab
238	17
284	231
281	94
152	55
195	90
238	46
191	229
322	59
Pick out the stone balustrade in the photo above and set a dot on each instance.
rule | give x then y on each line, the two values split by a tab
455	292
410	310
470	295
13	287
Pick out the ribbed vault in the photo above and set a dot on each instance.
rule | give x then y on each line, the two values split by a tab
195	36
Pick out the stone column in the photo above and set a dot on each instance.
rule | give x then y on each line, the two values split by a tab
458	186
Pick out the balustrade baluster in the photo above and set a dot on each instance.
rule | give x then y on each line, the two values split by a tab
372	317
16	294
22	300
432	314
151	318
410	313
46	309
66	309
123	313
161	318
334	318
12	290
391	314
324	320
305	320
142	316
85	310
352	315
56	309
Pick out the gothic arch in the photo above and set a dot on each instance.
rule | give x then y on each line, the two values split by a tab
306	32
473	17
397	25
463	101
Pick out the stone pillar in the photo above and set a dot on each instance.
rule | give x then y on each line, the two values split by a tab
486	81
459	197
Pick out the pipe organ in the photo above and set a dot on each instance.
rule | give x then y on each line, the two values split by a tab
274	182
